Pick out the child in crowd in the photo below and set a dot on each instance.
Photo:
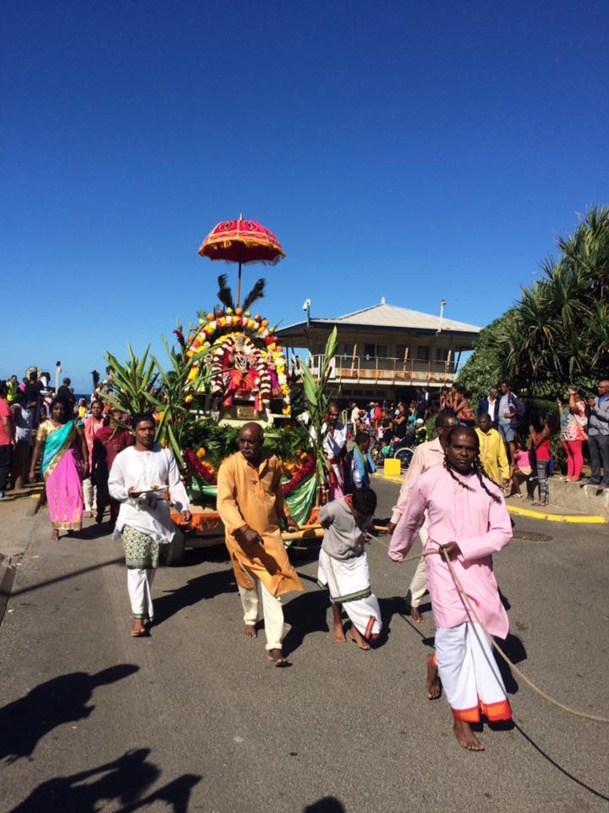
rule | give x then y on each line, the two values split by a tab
540	443
521	471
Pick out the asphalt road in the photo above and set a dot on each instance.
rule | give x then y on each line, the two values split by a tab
193	718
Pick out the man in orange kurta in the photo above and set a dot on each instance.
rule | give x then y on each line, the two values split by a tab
251	505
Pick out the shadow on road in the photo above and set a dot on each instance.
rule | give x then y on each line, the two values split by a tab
559	767
513	647
329	804
306	613
60	700
202	587
124	780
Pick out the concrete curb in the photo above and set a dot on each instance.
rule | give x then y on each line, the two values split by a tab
574	518
527	512
7	579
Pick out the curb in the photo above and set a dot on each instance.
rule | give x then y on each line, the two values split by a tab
527	512
7	579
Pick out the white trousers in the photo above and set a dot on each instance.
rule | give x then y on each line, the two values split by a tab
89	493
272	611
139	584
417	587
469	673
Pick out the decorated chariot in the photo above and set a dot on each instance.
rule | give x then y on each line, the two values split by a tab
229	369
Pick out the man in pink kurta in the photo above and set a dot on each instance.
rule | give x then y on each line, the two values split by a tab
425	456
467	517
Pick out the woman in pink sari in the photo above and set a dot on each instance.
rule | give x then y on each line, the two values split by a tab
64	462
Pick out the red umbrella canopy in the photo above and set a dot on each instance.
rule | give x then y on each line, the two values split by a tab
242	241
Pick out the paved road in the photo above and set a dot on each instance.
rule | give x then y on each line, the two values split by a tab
194	719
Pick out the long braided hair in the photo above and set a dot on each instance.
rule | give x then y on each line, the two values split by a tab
477	467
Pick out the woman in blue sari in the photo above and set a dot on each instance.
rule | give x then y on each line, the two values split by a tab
64	462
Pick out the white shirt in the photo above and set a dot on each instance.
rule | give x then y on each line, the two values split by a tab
333	444
142	471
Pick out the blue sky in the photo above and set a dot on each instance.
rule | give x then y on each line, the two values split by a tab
398	149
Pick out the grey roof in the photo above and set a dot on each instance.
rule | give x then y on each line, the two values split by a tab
392	316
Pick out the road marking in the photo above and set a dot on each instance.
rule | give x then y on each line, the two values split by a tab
526	512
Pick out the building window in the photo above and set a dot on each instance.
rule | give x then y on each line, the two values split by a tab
441	353
347	350
401	351
423	353
381	351
369	351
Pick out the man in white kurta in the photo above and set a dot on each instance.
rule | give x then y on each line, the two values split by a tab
139	479
334	444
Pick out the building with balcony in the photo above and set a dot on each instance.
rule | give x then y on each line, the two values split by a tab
384	352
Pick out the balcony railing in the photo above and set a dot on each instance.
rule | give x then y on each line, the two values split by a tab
398	370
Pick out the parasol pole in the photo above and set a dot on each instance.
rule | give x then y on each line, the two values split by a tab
239	279
239	273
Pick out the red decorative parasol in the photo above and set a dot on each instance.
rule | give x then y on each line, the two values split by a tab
242	241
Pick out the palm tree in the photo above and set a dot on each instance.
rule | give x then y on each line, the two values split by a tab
558	333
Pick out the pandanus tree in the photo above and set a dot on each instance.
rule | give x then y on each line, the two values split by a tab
558	332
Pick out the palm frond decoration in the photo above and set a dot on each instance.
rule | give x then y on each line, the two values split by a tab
257	292
225	294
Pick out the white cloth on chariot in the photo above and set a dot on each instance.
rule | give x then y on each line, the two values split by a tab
348	581
143	471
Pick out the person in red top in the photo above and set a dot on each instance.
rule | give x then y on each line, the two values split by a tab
7	438
540	442
107	443
93	423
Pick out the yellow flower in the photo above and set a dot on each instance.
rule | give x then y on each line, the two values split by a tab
189	398
201	453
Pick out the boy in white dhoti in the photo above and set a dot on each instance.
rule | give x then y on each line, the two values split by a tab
139	478
343	566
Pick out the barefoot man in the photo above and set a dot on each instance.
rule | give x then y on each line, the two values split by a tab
343	566
468	519
251	505
425	456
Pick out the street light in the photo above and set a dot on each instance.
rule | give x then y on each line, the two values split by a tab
306	306
442	306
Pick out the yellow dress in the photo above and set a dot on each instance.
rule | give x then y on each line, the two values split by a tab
493	455
252	495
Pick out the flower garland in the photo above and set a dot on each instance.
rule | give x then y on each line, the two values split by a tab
200	468
216	326
301	474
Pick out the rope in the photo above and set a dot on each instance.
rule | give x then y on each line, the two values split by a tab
476	617
520	674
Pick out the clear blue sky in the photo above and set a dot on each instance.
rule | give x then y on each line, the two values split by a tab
407	150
